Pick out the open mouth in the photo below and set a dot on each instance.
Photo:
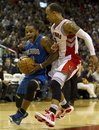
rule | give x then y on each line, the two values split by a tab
29	37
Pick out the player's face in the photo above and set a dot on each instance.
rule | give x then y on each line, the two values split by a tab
50	15
30	32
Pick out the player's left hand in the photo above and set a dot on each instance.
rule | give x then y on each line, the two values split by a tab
94	60
36	68
54	47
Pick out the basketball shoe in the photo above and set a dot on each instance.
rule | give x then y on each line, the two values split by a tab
18	117
62	111
48	118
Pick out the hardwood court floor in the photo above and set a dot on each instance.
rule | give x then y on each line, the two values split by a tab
84	117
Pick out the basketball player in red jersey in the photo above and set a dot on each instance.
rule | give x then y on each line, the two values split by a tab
65	33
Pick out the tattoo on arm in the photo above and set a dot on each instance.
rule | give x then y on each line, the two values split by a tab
71	27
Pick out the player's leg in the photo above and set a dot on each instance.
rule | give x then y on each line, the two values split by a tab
74	92
65	108
19	99
69	69
24	97
67	90
49	116
70	93
21	91
55	85
70	90
32	86
21	113
28	97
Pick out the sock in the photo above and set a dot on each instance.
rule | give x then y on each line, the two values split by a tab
65	106
63	102
53	108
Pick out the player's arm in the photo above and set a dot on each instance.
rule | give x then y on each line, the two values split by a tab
52	56
72	28
46	44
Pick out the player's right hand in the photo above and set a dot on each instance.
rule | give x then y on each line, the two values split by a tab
54	47
36	68
94	60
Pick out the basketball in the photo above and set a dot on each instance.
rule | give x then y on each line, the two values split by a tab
26	65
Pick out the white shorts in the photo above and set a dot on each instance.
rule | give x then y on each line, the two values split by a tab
67	69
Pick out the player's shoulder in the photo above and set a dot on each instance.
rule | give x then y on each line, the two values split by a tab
71	26
44	39
68	23
27	42
46	42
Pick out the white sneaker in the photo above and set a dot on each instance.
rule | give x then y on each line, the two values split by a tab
48	118
61	112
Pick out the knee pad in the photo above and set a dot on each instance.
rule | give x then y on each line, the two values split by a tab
56	90
19	99
32	87
60	78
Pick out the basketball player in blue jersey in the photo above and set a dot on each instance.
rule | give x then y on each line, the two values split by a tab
37	47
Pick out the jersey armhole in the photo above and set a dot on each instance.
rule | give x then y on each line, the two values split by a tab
62	29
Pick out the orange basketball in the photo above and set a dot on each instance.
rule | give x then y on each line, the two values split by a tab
26	65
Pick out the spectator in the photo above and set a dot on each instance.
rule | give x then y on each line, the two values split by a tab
96	75
86	82
7	68
4	85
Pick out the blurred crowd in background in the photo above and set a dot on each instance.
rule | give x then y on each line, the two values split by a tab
16	14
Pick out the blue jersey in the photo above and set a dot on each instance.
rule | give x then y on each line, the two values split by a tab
37	52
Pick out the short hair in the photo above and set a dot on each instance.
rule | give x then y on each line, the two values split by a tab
35	25
56	7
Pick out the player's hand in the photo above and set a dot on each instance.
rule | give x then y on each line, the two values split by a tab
54	47
36	68
94	60
78	73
